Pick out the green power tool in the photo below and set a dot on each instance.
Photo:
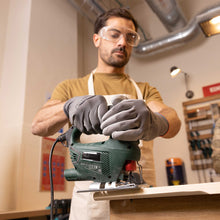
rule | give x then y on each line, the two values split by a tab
110	164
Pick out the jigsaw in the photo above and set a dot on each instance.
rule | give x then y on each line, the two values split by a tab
110	164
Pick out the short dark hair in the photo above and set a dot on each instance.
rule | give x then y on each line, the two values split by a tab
114	12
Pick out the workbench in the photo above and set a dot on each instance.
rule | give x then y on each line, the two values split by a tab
31	214
182	202
41	214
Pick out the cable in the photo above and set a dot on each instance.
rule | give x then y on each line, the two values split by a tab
61	138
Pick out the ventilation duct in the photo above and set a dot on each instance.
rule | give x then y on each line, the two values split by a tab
178	38
99	9
92	8
169	13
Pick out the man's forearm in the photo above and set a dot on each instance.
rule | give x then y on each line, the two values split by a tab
49	119
173	120
170	115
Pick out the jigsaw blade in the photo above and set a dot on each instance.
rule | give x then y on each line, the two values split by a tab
113	186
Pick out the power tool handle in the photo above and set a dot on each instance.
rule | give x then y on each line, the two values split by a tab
75	133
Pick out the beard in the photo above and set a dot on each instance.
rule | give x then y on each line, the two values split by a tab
115	60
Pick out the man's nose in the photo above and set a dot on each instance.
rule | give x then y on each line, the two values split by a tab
122	40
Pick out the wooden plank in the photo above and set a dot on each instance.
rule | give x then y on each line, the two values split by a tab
164	191
205	99
24	214
197	118
200	128
201	207
193	110
201	137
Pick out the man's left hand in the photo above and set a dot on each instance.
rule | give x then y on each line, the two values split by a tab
131	120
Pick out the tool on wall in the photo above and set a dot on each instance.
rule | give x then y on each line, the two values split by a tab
195	152
201	146
208	155
202	151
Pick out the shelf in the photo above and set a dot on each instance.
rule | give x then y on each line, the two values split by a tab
197	118
200	128
198	115
201	137
201	100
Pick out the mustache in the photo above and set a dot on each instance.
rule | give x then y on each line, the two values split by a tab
120	49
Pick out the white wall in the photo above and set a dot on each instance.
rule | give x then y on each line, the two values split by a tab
4	9
199	58
203	71
52	58
39	49
12	94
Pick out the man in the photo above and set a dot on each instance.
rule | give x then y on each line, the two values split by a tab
138	114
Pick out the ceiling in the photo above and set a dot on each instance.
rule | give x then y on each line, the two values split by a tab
156	36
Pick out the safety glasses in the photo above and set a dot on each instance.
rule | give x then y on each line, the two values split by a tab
114	34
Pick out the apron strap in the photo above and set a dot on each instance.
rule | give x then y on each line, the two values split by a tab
91	84
92	91
138	91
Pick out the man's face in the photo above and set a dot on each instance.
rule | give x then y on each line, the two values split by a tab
116	53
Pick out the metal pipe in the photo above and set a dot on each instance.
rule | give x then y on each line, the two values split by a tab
169	13
78	8
175	39
98	8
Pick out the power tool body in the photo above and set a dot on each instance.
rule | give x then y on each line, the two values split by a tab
110	164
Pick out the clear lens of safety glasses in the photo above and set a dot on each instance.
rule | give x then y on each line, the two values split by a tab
114	34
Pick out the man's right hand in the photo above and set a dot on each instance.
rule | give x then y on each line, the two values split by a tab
85	112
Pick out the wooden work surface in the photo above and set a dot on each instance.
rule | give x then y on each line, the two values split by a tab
34	214
201	207
186	202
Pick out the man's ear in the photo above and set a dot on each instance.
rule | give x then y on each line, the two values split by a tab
96	40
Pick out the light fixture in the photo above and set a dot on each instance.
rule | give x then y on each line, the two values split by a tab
174	71
211	27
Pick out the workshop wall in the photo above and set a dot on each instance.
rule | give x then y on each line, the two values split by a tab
39	49
203	71
12	92
199	58
4	8
52	58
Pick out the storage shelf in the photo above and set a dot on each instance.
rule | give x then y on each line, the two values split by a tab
198	117
201	137
200	128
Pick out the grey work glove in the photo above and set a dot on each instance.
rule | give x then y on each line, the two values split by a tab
85	112
132	120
